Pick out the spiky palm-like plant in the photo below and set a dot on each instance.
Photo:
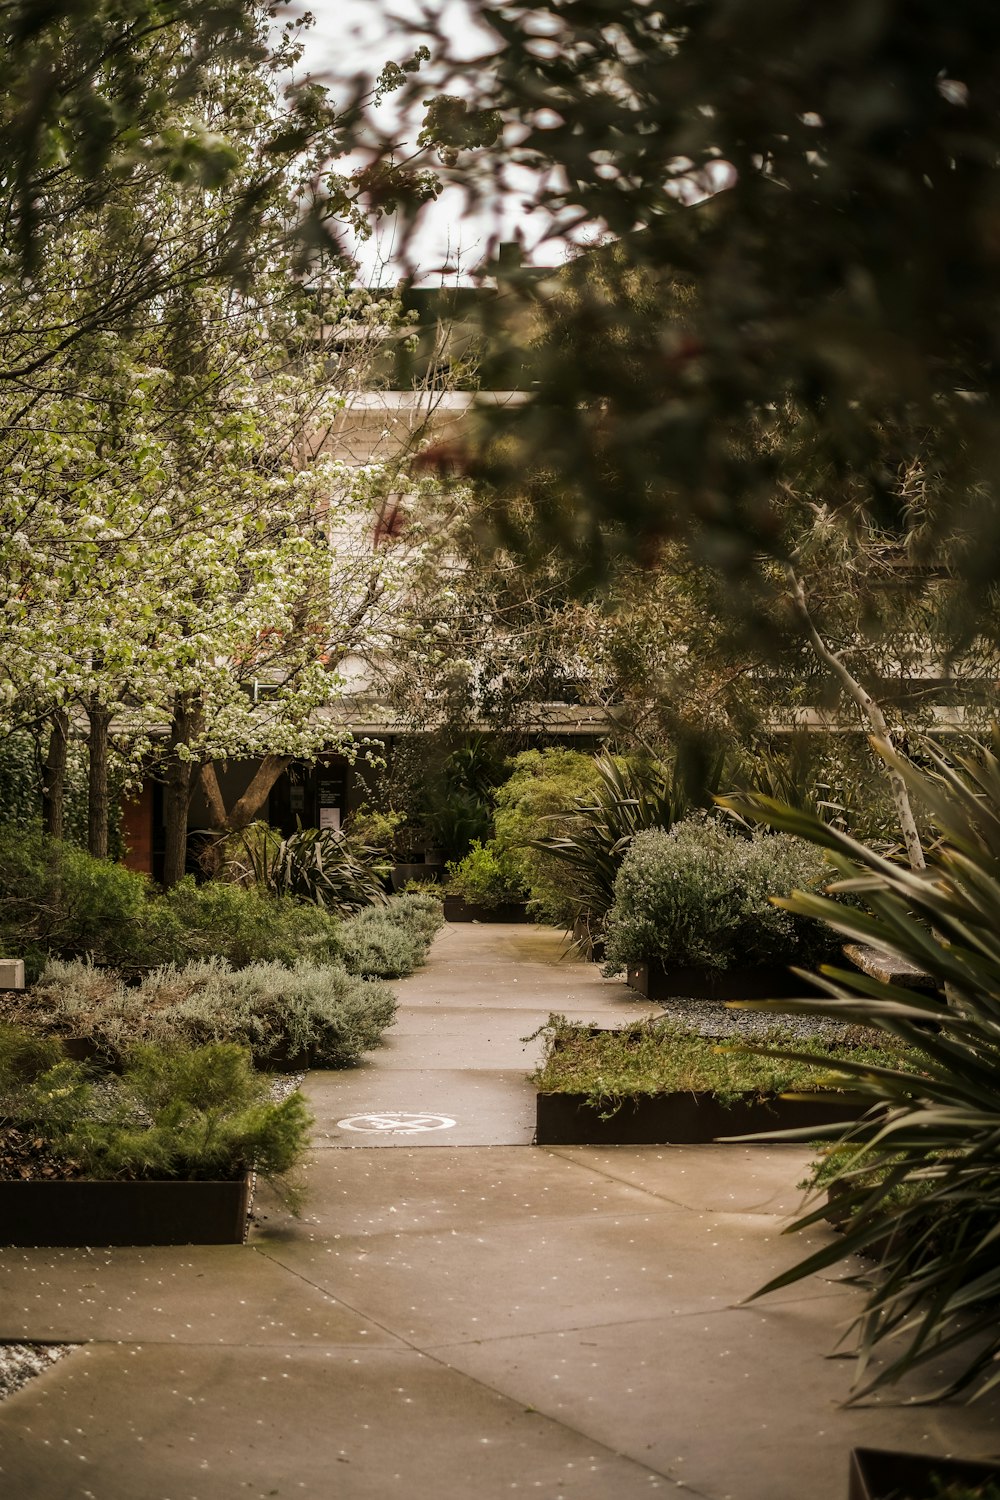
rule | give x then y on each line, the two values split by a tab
918	1179
628	800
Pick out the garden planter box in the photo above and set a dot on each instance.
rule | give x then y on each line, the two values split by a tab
682	1119
877	1474
458	910
763	982
80	1212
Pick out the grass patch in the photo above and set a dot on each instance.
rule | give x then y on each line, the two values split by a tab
661	1057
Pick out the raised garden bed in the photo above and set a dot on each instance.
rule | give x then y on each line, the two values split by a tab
660	1083
456	909
681	1119
878	1474
83	1212
761	982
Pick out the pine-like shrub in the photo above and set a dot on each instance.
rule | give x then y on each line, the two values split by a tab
201	1113
701	893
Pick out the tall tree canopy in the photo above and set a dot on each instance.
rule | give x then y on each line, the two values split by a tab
844	257
179	552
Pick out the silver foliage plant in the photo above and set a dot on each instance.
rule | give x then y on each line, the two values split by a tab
917	1180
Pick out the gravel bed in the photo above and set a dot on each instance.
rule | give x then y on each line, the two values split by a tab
713	1018
20	1363
283	1084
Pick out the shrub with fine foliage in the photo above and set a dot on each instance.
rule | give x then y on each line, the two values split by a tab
198	1113
700	894
390	942
279	1014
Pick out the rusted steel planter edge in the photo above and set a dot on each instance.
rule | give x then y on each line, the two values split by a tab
756	982
80	1211
682	1119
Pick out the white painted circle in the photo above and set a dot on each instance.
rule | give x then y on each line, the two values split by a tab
395	1122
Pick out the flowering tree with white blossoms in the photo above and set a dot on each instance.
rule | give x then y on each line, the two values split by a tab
167	497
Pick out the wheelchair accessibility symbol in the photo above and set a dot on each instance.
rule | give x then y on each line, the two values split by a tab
395	1122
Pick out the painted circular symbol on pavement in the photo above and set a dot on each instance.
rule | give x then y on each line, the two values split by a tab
395	1122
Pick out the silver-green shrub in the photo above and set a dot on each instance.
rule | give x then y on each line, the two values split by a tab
310	1011
701	893
390	942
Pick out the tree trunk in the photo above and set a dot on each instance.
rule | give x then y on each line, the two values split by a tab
97	786
245	810
54	776
253	799
212	792
177	788
882	733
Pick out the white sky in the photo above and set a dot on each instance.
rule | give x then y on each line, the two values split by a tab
352	36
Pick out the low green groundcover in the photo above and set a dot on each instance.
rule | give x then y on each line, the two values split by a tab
660	1057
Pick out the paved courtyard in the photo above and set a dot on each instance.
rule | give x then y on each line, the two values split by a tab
459	1312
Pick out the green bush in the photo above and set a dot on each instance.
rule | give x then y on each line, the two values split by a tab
277	1013
630	797
700	894
57	899
392	942
203	1113
486	876
535	801
241	924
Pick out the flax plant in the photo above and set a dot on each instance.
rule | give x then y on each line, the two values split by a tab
918	1178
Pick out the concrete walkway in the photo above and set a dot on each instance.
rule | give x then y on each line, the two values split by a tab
462	1313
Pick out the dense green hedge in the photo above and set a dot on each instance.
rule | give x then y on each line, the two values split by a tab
58	902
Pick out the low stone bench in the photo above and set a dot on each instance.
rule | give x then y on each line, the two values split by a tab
890	969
